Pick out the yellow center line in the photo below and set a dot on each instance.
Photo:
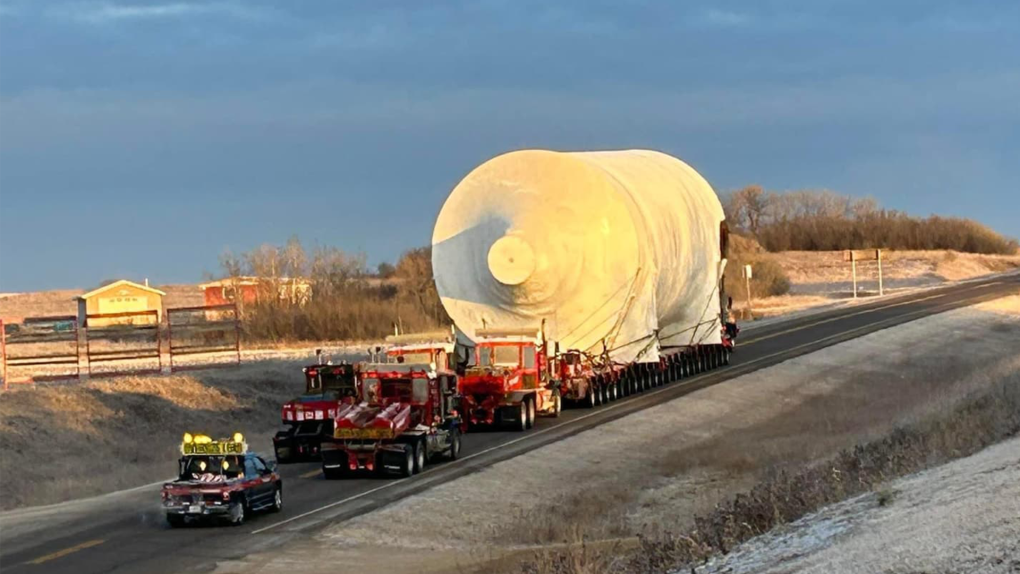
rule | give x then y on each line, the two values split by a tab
65	551
312	474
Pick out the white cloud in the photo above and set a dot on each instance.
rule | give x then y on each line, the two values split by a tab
104	13
727	18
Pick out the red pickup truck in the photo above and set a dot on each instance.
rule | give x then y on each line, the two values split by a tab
220	480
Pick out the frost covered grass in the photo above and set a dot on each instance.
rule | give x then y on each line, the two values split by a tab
783	494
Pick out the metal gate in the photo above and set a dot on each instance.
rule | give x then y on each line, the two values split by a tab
123	343
203	337
46	347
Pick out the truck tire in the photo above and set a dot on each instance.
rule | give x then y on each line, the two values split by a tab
589	397
531	412
238	512
519	420
175	520
332	473
614	390
280	459
277	500
557	404
454	452
407	462
419	456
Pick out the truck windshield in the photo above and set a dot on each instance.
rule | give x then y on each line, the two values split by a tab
416	357
499	356
506	356
396	390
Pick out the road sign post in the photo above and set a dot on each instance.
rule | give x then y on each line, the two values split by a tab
864	255
878	257
747	283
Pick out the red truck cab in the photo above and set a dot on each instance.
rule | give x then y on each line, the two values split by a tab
406	418
511	381
308	418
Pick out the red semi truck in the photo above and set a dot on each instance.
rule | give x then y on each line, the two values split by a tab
511	381
406	418
308	419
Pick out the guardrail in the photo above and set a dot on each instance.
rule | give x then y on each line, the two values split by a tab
211	332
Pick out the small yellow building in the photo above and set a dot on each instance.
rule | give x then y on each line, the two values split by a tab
120	297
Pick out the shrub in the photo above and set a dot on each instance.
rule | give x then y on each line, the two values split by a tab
767	277
344	302
826	221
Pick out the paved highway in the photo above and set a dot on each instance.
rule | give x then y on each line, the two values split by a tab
126	532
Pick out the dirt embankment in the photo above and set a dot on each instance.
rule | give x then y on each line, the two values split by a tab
65	441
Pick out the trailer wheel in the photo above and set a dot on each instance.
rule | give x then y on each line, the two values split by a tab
419	456
557	404
589	396
454	452
532	412
407	464
521	420
614	391
726	357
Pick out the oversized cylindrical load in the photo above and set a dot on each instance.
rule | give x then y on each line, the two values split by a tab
615	250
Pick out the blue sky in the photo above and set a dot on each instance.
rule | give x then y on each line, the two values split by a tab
142	139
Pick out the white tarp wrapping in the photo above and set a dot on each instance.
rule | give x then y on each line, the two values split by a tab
618	248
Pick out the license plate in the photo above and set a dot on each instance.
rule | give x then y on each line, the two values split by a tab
194	510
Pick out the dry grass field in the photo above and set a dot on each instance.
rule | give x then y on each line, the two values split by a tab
117	433
62	302
822	277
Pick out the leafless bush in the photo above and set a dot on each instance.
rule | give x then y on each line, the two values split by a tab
767	278
343	302
826	221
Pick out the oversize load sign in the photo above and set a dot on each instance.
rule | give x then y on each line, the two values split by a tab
215	447
369	433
